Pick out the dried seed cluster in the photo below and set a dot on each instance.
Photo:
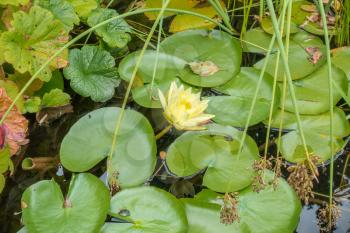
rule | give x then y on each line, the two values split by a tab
229	209
301	179
259	167
324	222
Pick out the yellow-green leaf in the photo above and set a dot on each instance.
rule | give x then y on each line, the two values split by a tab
34	38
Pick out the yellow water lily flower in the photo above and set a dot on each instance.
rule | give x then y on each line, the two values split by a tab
184	109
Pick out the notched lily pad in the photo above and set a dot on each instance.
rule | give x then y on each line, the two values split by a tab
83	209
307	53
233	108
312	92
215	150
89	141
146	210
316	131
272	211
144	92
221	49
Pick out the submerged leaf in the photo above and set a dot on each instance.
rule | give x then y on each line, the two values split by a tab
115	33
92	73
83	209
34	38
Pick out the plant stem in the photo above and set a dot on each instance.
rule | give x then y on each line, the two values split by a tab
290	82
330	83
163	132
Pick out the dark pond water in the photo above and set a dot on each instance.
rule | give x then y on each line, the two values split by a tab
45	141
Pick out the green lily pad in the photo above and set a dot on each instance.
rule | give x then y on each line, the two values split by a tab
312	92
340	58
146	210
316	131
266	25
144	93
272	211
256	40
62	10
233	109
300	61
92	73
300	17
223	50
84	209
89	141
115	33
34	38
216	151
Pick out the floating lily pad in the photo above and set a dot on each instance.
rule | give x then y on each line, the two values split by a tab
233	109
256	40
83	209
215	46
272	211
301	11
215	150
316	131
340	58
306	54
146	210
168	68
312	92
89	141
266	25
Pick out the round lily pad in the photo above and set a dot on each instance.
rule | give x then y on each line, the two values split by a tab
340	58
272	211
312	92
306	54
302	13
89	141
143	92
215	150
256	40
83	209
233	108
316	131
196	46
146	210
267	26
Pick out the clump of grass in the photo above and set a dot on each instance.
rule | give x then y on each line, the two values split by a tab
343	24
